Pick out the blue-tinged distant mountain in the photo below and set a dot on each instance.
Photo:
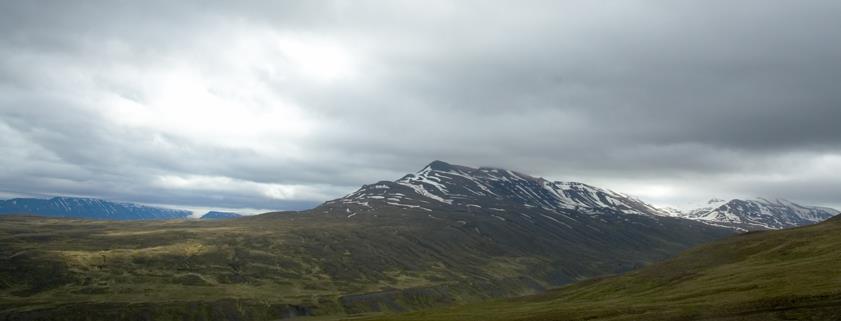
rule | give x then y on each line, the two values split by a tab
214	215
89	208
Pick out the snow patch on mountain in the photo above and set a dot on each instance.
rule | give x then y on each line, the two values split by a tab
440	184
757	214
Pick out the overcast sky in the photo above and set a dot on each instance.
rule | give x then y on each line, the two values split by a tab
285	104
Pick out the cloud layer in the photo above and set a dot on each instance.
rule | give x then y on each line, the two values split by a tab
277	105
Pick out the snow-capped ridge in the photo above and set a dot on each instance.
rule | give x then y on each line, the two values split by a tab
760	214
441	184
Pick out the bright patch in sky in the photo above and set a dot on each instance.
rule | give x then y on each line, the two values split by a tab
318	60
228	104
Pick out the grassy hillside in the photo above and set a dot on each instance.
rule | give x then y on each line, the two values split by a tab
286	264
780	275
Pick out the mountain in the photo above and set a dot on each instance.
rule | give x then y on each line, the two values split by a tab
440	185
577	230
707	206
445	235
759	214
788	274
214	215
89	208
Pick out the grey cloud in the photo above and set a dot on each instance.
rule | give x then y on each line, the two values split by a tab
689	94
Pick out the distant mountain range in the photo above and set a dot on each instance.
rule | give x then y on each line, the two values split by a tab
215	215
442	186
89	208
756	214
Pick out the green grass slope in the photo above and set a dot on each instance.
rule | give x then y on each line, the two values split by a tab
777	275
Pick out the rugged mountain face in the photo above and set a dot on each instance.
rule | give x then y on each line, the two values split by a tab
760	214
88	208
215	215
444	186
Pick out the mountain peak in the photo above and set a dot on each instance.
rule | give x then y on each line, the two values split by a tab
439	165
443	185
